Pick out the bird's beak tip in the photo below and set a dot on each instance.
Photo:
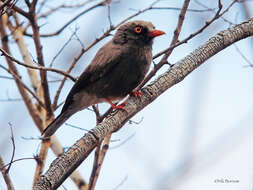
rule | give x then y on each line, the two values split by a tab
155	33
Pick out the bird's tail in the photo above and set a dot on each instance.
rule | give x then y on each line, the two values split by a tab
58	121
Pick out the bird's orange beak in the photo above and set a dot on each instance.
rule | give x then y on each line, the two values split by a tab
155	33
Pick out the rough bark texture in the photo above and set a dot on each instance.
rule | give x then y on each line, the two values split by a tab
65	164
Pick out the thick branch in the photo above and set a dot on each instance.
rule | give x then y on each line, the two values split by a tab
65	164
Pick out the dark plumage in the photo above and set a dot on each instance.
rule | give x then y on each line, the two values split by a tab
116	70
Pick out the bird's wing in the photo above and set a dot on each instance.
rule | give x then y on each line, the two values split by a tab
105	60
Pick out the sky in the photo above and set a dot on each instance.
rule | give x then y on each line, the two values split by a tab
197	134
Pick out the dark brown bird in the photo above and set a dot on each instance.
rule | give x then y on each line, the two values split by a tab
116	70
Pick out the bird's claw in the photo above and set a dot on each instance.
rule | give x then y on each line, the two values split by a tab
119	107
136	93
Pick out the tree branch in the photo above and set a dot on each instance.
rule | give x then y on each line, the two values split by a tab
102	3
169	50
37	67
6	175
65	164
31	108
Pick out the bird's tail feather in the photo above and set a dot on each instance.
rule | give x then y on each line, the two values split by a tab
56	123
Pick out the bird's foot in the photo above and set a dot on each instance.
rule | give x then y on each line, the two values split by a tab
136	93
121	106
117	107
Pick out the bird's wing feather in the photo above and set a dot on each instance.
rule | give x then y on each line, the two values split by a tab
106	59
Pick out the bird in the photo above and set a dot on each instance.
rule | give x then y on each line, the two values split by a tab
115	72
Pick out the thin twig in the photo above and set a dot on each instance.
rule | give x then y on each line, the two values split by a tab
37	67
13	146
3	5
121	183
102	3
109	15
123	142
19	10
174	40
179	9
11	100
207	23
6	77
96	111
17	160
76	127
243	56
94	168
98	161
224	19
23	84
62	48
63	6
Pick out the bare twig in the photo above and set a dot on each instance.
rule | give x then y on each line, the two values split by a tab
174	40
6	77
4	5
63	6
123	142
102	3
243	56
121	183
98	161
109	15
207	23
94	168
96	111
76	127
164	61
11	100
23	84
14	148
37	67
17	160
18	10
224	19
62	48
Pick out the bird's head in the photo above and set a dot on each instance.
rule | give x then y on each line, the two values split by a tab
137	32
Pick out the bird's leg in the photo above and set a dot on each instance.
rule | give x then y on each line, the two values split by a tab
121	106
136	93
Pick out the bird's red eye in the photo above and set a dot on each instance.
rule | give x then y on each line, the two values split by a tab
138	29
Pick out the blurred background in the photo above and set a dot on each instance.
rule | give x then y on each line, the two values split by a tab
196	135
